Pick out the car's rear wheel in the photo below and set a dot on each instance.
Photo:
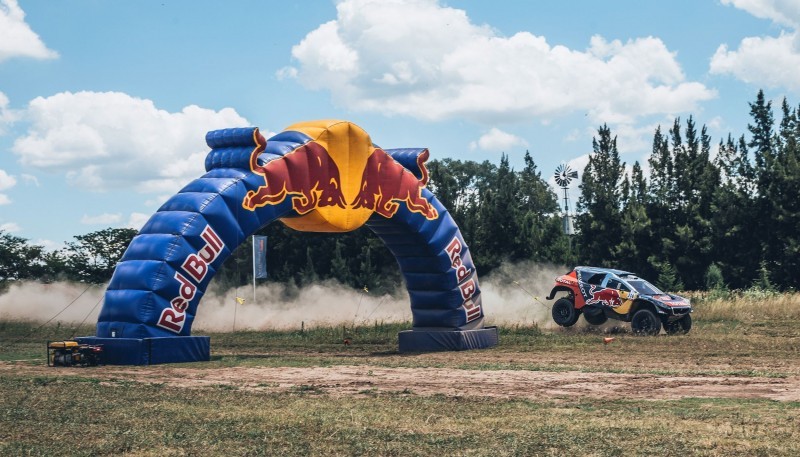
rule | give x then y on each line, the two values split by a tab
682	325
598	317
645	322
564	312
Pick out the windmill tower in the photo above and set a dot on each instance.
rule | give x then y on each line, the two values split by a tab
564	175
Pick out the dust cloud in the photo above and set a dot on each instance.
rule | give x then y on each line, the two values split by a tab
516	293
512	294
277	306
60	301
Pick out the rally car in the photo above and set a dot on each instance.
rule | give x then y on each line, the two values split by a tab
600	294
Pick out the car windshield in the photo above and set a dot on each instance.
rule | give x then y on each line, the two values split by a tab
644	287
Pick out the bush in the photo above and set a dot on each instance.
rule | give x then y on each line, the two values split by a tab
714	279
668	279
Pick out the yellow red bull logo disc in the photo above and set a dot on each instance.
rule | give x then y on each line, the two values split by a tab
337	179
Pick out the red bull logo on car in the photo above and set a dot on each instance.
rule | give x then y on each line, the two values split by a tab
337	180
603	296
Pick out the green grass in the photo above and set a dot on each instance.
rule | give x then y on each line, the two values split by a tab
67	416
87	413
722	346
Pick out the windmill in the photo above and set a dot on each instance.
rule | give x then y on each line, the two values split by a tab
564	175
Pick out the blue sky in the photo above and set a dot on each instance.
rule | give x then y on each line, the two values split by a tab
104	105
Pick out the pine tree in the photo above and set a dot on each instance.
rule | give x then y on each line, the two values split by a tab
761	130
540	236
309	273
737	251
635	247
783	194
339	265
661	203
499	218
695	186
599	205
668	279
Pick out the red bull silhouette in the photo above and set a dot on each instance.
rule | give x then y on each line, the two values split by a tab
308	174
605	297
385	182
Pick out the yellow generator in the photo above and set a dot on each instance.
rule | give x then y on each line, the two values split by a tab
71	353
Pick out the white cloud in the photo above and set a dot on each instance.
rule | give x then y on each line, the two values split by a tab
101	219
783	12
159	200
421	59
286	73
49	245
9	227
102	140
6	182
497	140
716	123
632	139
7	116
764	61
137	220
16	37
30	179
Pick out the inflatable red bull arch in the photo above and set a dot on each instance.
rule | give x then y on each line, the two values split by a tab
321	176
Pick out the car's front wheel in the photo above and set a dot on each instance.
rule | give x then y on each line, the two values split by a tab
564	313
645	322
682	325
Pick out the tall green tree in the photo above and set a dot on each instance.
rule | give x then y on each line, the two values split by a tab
93	257
20	260
600	202
696	183
540	235
499	217
634	246
782	244
737	250
762	146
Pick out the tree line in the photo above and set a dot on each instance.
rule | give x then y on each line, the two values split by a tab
693	217
90	258
699	220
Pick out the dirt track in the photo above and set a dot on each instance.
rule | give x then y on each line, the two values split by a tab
522	384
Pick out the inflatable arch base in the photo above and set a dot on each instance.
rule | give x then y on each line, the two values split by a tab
177	349
426	340
151	351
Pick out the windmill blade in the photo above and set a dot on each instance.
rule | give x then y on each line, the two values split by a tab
564	175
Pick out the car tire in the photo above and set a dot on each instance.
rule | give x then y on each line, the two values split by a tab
686	323
672	328
564	312
645	322
598	318
682	325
